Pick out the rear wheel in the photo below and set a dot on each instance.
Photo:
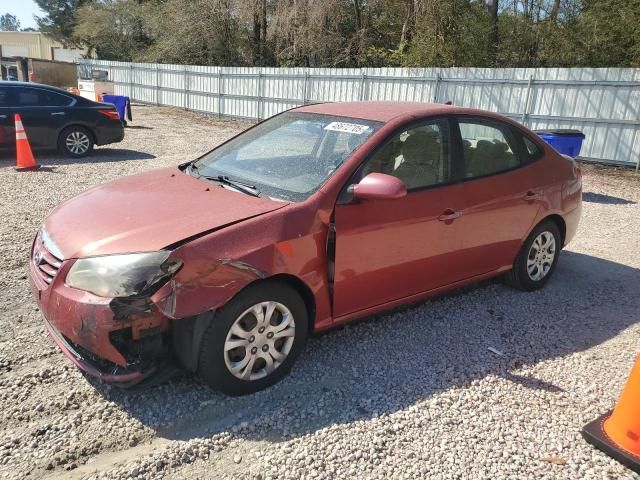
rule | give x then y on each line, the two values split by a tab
537	258
254	340
75	142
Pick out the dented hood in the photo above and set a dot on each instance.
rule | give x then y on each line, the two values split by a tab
147	212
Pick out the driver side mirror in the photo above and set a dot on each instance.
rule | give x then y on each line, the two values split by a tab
379	186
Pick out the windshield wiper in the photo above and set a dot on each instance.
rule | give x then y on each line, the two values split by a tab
238	185
243	187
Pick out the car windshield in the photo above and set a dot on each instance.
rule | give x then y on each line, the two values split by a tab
288	156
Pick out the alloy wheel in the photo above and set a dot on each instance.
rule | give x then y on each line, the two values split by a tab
77	142
259	341
541	256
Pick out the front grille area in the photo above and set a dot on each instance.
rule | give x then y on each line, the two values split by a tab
45	262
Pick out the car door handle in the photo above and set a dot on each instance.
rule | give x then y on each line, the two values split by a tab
449	214
57	113
530	195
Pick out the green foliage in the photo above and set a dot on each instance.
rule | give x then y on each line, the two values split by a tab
112	28
59	19
9	23
351	33
198	32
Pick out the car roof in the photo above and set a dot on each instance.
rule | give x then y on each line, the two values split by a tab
386	111
13	83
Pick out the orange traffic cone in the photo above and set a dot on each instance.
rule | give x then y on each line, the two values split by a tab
24	157
617	433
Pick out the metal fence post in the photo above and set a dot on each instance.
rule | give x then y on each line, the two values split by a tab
363	86
186	88
158	87
260	106
527	101
436	88
131	81
638	154
220	93
304	87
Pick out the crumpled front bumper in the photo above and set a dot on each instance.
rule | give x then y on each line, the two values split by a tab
92	364
118	344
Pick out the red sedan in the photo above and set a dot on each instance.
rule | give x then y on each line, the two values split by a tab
308	220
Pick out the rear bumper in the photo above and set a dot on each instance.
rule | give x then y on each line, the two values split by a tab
111	132
572	220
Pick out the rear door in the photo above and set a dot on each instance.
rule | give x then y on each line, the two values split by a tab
44	113
502	193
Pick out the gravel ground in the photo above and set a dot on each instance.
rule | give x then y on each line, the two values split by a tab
411	394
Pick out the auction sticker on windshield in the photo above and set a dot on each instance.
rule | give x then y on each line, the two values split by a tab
347	127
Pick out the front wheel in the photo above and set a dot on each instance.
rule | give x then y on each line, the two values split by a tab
254	340
537	258
75	142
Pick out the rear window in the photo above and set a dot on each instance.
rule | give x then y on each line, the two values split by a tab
36	97
531	150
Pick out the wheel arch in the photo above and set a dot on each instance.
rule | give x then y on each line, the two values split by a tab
187	334
301	288
560	223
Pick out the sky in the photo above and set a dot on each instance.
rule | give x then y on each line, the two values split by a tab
23	9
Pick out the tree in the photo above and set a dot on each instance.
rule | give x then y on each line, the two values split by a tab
449	33
493	38
9	23
59	20
198	32
114	29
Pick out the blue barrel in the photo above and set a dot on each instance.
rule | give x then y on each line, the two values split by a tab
122	104
564	141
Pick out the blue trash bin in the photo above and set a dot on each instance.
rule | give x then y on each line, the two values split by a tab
122	104
564	141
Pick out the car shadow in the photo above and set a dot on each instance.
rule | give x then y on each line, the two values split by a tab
99	155
400	358
605	199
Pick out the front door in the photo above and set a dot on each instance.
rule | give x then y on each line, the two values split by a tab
390	249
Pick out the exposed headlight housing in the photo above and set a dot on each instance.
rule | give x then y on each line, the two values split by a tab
123	275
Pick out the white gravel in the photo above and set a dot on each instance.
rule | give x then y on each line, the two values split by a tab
412	394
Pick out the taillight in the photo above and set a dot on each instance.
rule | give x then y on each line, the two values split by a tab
112	114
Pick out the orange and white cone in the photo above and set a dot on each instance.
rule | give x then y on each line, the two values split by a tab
24	155
617	433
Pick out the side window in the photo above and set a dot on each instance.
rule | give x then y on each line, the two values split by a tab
532	151
26	97
487	148
53	99
35	97
418	156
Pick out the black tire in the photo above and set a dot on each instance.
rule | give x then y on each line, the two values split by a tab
519	277
212	366
82	135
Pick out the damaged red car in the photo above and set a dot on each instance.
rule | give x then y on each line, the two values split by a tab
310	219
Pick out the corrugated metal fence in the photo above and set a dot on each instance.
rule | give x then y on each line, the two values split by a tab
603	103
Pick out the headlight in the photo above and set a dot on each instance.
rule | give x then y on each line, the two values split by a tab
123	275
